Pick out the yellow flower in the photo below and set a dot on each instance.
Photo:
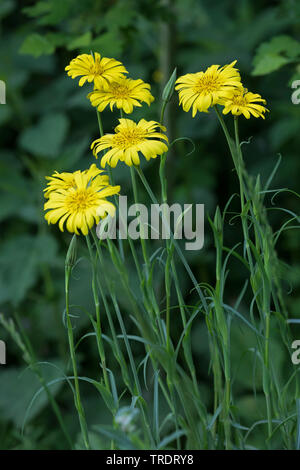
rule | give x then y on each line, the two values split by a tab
95	69
244	102
81	204
67	180
130	139
124	93
204	89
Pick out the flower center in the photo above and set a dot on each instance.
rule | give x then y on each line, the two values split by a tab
128	138
97	68
119	90
207	84
239	100
80	200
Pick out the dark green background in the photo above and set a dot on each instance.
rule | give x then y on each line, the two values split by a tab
48	124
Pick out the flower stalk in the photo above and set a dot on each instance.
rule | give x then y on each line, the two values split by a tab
77	398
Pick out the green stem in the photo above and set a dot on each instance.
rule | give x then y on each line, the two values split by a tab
143	244
266	297
100	123
267	379
133	368
179	252
77	398
119	356
169	264
162	112
265	310
132	248
97	310
149	294
223	329
235	150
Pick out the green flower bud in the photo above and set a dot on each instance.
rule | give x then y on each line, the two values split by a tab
218	223
71	253
169	88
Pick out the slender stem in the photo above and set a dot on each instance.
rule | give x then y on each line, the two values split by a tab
97	310
169	365
167	274
179	252
170	261
169	264
132	364
150	297
100	123
175	276
223	331
132	248
218	379
240	163
267	380
119	355
240	169
162	112
235	150
243	194
163	158
143	244
230	142
77	398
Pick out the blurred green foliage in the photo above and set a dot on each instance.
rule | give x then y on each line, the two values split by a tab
48	124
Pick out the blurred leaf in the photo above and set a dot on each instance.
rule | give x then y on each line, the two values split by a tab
272	55
120	15
42	99
45	139
36	45
58	39
282	131
74	151
269	63
81	41
50	11
108	43
10	205
17	389
20	259
38	9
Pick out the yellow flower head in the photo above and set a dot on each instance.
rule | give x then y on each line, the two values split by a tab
124	93
128	140
202	90
67	180
95	69
79	204
242	101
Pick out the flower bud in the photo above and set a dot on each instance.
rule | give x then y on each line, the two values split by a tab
169	88
218	223
71	253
